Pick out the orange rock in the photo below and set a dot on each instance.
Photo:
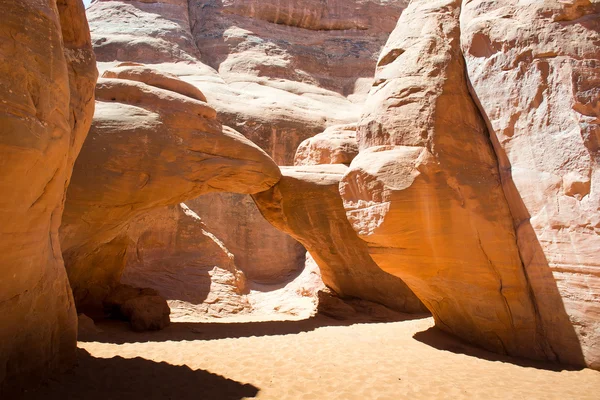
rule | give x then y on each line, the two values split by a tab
172	251
145	309
263	253
539	90
46	105
148	148
425	192
306	204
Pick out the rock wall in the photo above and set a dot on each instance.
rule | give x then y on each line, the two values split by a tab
425	193
539	90
174	253
46	92
265	254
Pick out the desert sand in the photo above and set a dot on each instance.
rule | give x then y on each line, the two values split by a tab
315	358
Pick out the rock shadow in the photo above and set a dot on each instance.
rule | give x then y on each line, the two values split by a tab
441	340
556	333
137	378
117	332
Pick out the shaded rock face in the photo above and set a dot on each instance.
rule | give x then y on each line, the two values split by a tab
46	105
539	89
336	145
148	147
263	253
172	251
306	204
145	309
425	195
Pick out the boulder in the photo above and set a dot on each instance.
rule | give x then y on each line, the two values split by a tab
145	309
336	145
539	90
148	148
425	195
306	204
46	105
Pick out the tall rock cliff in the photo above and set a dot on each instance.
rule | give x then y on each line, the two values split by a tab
46	104
534	68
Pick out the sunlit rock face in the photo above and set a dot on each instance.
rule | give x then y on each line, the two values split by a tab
425	192
539	90
306	204
46	104
336	145
278	72
243	61
148	148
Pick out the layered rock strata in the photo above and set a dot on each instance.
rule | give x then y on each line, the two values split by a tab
539	89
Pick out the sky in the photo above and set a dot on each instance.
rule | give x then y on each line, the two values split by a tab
86	2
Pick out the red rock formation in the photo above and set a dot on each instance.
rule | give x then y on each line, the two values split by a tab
46	105
147	148
425	192
306	204
539	90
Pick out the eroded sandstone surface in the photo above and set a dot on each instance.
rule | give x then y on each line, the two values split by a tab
425	193
148	147
539	90
336	145
307	205
47	83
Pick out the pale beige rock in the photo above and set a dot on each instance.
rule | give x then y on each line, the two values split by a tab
306	204
425	193
539	89
148	148
336	145
276	83
142	31
46	105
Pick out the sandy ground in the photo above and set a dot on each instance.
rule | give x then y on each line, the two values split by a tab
316	358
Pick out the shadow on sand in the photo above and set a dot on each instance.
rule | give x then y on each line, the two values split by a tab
137	378
118	332
441	340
